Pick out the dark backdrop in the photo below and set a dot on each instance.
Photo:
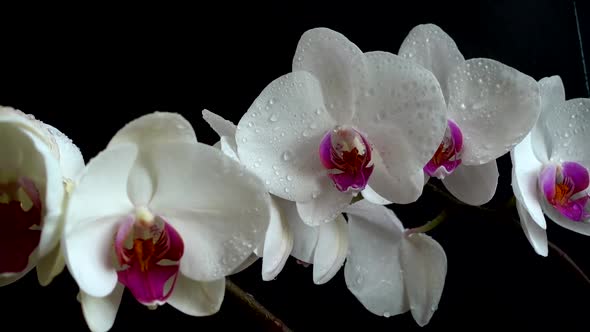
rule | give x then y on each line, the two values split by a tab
89	70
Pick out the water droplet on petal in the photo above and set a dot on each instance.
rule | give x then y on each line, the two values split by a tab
287	155
273	117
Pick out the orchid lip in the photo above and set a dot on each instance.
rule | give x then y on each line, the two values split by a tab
346	154
448	155
20	210
148	252
565	187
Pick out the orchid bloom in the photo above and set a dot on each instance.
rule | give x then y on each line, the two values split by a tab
324	246
490	108
391	270
163	216
551	165
38	167
342	123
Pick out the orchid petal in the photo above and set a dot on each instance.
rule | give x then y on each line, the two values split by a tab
305	238
495	106
229	148
211	200
404	190
220	125
525	179
278	244
429	46
552	96
279	136
338	65
330	251
197	298
403	115
370	195
96	207
100	312
425	269
373	271
70	157
326	206
246	264
474	185
536	235
581	227
50	266
157	127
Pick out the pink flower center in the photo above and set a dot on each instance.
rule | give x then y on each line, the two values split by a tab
148	254
20	212
346	154
565	188
448	155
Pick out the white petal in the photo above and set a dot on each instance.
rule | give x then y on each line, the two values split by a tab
525	179
552	96
326	206
70	157
474	185
155	127
96	206
425	268
330	251
279	136
403	117
305	238
373	271
229	148
100	312
246	264
398	189
197	298
565	222
337	63
278	244
429	46
220	125
536	235
370	195
218	208
494	105
569	129
50	266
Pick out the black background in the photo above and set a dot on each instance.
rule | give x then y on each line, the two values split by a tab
90	70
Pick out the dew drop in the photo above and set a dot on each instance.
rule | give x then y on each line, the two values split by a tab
273	117
287	155
386	314
271	101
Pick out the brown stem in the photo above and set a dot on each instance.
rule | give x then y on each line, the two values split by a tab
272	323
568	259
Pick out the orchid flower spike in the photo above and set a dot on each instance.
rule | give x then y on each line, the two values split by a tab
551	166
342	123
490	108
323	246
165	217
38	168
389	270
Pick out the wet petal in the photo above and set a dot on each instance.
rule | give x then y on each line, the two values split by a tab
157	127
197	298
279	136
330	251
404	190
525	183
100	312
373	270
328	203
220	125
425	269
70	158
278	243
429	46
534	233
474	185
552	96
305	238
338	65
50	266
370	195
215	202
495	106
404	118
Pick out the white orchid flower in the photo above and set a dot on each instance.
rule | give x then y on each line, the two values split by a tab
390	270
324	246
38	166
550	167
162	215
341	123
490	108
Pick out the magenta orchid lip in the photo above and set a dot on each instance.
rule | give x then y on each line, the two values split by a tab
448	155
346	153
564	186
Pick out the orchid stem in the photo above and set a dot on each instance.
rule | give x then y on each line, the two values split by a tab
568	259
272	323
429	225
